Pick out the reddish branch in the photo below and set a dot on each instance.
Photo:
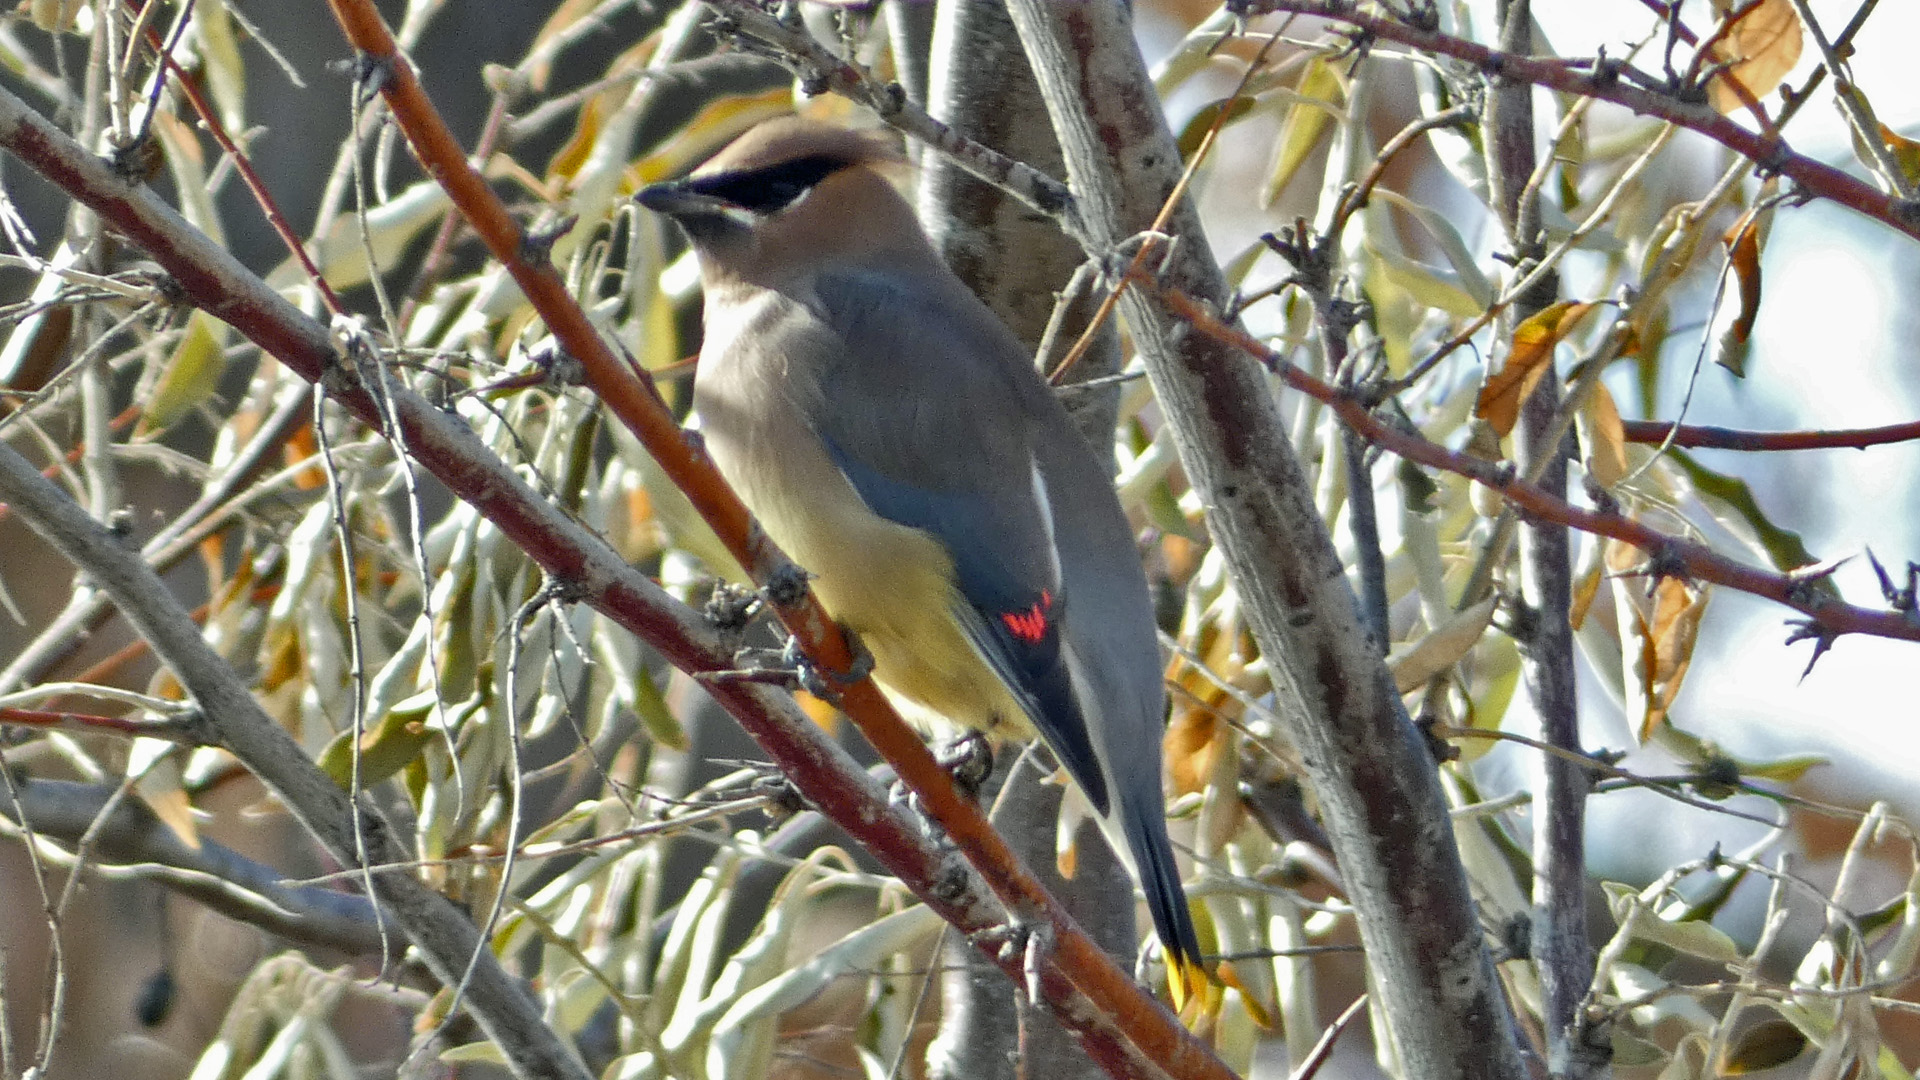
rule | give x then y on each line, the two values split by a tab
1076	961
1602	79
244	166
190	731
1691	436
1120	1025
1670	555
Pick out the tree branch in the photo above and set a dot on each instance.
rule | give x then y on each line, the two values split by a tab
1373	775
134	842
1601	79
1130	1038
1669	554
1695	436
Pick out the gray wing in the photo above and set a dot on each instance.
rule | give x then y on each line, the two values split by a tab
938	421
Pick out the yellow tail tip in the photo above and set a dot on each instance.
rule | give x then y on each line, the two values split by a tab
1187	980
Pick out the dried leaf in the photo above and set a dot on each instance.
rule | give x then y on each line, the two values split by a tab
1743	256
1414	666
1507	390
1604	438
1766	1045
1763	46
1660	628
154	765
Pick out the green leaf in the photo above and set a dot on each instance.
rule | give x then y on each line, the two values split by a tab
1783	547
1319	104
1195	132
191	373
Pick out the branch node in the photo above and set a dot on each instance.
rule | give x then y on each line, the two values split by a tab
787	585
536	246
731	608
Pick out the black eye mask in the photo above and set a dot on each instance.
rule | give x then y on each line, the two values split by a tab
764	191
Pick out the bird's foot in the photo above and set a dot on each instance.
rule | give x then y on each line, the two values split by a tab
969	760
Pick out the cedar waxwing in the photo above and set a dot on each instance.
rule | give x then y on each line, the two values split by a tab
892	435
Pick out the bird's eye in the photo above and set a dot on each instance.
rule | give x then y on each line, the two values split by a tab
767	190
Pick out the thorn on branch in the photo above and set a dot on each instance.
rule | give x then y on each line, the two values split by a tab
1423	15
1823	639
1606	70
969	760
1603	500
561	590
1659	566
1812	586
137	161
1899	599
1359	41
1301	248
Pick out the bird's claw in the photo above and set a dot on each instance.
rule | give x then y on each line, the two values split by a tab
969	760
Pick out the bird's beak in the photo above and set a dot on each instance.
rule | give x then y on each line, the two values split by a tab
677	199
706	218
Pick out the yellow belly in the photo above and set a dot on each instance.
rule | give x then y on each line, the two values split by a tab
890	584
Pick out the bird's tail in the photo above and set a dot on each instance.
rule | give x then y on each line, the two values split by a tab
1145	829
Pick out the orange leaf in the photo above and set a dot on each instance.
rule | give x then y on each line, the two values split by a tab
1763	45
1509	388
1659	628
1743	254
1906	152
1605	439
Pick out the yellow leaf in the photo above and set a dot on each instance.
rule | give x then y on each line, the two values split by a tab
1413	667
1604	437
1906	153
1203	121
1321	95
390	746
579	146
1763	45
225	68
191	374
1428	286
1507	389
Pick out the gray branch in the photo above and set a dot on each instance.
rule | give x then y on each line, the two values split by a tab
135	842
445	936
1445	1011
